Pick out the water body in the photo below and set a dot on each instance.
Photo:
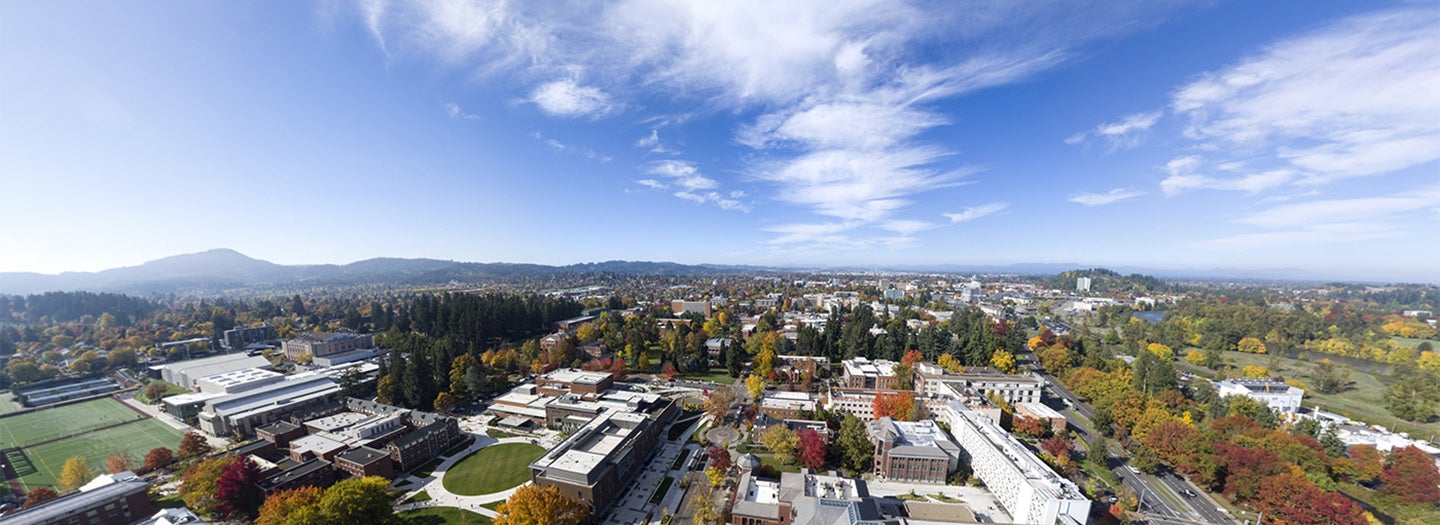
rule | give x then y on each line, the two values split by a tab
1152	316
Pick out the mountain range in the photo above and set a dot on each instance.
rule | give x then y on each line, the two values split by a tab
220	270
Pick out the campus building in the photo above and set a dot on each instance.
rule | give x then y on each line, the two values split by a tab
917	451
600	458
188	373
324	344
242	413
239	337
1023	484
110	499
1275	394
786	405
933	380
864	374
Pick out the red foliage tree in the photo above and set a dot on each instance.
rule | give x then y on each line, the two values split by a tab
39	495
1246	468
668	369
1410	474
900	407
159	457
1172	440
812	448
719	458
1057	446
912	357
617	369
1047	337
1294	500
193	444
236	494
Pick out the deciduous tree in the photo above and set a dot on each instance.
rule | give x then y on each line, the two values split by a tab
118	462
193	444
533	504
855	446
76	472
1251	345
199	483
1410	474
158	457
812	448
39	495
719	458
755	385
281	505
361	501
717	404
444	402
780	440
236	495
1003	361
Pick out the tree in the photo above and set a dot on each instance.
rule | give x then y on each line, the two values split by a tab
1057	446
854	444
536	505
1196	357
193	444
1003	361
159	457
444	402
358	500
668	370
1255	372
39	495
719	457
617	369
1250	345
1030	426
755	385
121	357
76	472
1331	378
1161	351
716	476
1410	474
1414	394
1293	500
154	391
812	448
236	492
286	503
780	440
199	483
702	505
950	364
118	462
717	405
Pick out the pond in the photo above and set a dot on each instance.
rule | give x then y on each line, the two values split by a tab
1152	316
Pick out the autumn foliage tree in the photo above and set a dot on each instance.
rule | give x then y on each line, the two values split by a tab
1410	475
717	404
199	483
1030	426
76	472
719	458
193	444
900	407
159	457
780	440
811	450
236	495
39	495
118	462
535	505
444	402
284	504
1294	500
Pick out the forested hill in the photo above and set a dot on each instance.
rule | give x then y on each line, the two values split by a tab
227	270
1103	280
70	306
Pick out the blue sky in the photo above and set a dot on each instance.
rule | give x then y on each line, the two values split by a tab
1165	135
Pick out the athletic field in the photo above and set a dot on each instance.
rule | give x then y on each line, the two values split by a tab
32	449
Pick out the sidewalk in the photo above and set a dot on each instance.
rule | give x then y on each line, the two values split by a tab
434	484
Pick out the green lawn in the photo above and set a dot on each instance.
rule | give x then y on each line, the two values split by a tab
8	403
1364	401
51	423
774	462
170	390
492	469
494	505
715	375
1413	342
135	439
442	516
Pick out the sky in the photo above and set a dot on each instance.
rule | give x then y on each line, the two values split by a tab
1173	135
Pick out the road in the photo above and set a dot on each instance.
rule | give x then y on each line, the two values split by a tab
1153	502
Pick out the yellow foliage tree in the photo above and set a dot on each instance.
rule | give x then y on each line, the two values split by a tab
950	364
1195	357
1255	372
76	472
1161	351
1003	361
1034	343
1429	361
780	440
715	475
755	385
281	507
1251	345
535	505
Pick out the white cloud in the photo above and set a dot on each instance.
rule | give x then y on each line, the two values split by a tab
1121	134
652	183
692	186
906	227
683	173
649	141
1355	98
975	212
1183	177
567	98
455	111
1332	221
1110	197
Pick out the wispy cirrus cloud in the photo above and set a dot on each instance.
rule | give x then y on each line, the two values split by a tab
691	185
1109	197
1122	134
975	212
455	111
1329	221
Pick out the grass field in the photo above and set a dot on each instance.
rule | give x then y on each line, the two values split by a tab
1412	342
442	516
40	465
492	469
1364	401
28	429
715	375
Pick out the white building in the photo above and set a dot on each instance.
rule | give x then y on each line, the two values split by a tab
1082	284
1277	395
1028	489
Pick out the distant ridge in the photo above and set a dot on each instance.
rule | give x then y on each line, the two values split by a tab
220	270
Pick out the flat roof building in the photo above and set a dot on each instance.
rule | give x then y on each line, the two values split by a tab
912	451
1276	394
187	373
242	412
1024	485
110	499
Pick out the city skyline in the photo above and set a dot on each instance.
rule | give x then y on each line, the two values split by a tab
1226	135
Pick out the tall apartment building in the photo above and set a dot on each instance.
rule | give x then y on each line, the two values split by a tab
237	338
700	307
322	344
1082	284
1028	489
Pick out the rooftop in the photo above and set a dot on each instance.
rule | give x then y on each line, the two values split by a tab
571	375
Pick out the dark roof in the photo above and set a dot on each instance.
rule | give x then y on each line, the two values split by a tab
300	471
279	427
363	455
75	503
419	434
252	448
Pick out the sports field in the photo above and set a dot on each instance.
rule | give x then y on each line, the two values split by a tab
39	465
28	429
8	403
